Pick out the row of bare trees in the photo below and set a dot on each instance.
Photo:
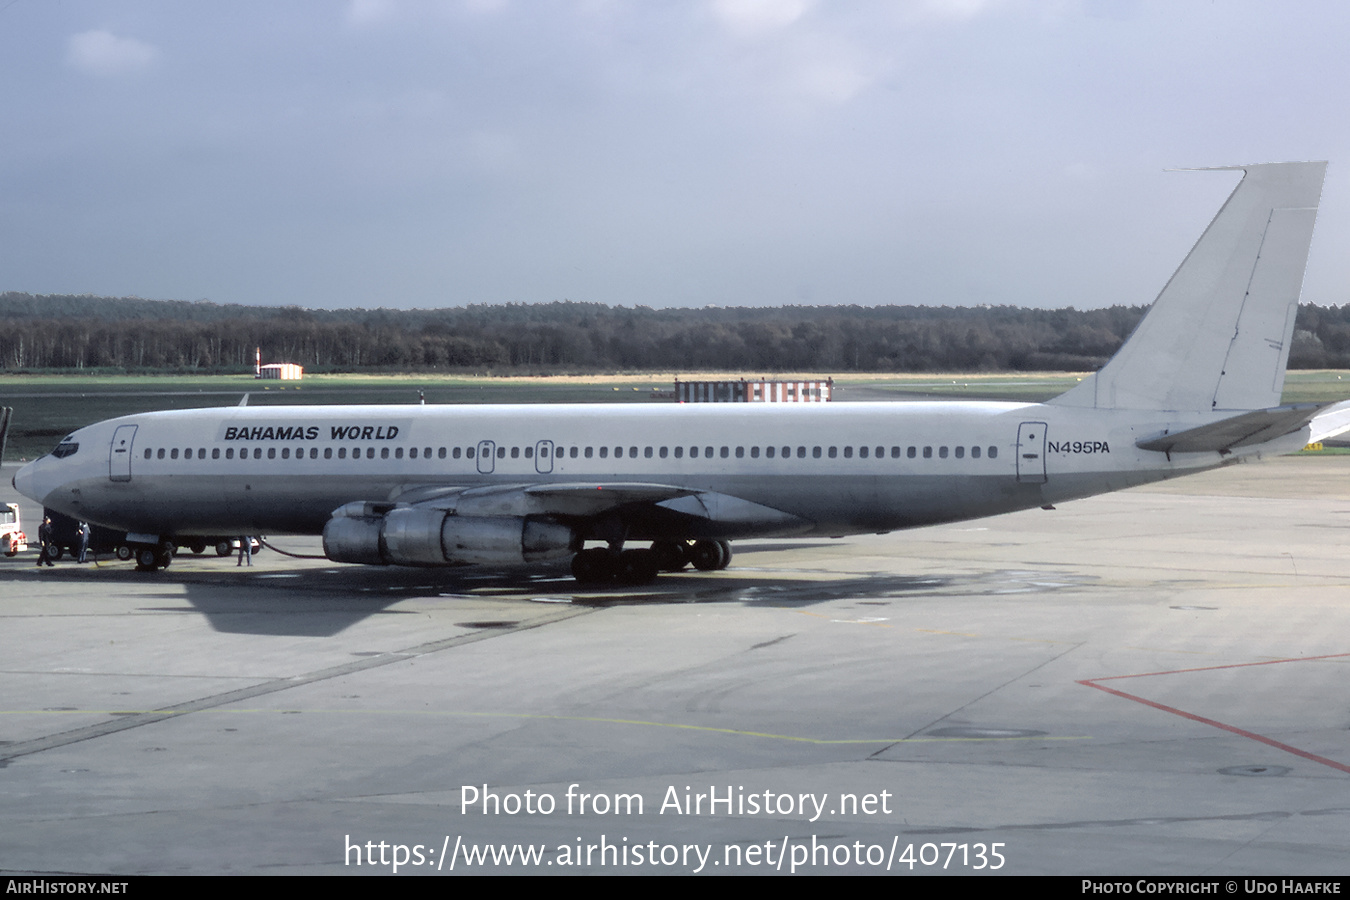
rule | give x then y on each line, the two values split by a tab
131	334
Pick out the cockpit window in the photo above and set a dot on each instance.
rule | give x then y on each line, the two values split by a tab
65	448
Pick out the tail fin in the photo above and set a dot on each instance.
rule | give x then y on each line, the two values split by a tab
1217	337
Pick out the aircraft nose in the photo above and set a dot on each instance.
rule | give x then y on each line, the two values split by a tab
25	481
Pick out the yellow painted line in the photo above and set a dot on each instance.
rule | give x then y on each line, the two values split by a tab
531	716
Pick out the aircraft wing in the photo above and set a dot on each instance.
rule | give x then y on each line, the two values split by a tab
588	500
1255	427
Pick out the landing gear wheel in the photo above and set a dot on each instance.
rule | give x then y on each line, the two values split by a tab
123	552
197	547
54	552
671	556
224	548
726	554
708	555
147	559
637	567
594	566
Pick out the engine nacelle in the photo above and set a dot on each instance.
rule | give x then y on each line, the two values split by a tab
409	536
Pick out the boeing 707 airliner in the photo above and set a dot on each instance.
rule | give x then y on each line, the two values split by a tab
1196	386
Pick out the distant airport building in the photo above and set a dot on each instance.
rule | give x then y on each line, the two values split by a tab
282	371
762	391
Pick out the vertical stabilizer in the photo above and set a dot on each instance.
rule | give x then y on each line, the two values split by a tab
1217	337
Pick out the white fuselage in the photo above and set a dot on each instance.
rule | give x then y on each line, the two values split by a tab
836	469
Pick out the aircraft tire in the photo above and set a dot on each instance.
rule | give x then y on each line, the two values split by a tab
197	547
55	552
706	555
594	566
726	554
123	552
638	567
223	548
671	556
147	559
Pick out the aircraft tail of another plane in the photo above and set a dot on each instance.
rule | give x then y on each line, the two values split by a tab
1217	338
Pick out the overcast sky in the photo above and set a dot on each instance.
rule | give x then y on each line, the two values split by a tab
425	153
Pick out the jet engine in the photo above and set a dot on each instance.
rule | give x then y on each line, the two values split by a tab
380	534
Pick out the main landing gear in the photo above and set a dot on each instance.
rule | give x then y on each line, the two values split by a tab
606	565
149	558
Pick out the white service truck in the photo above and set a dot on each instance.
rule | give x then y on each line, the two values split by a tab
12	538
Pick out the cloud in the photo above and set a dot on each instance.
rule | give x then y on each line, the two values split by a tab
106	55
957	9
749	17
367	12
374	12
833	81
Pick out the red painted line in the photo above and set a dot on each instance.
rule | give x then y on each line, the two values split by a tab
1242	732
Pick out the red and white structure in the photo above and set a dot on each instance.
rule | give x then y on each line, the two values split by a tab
762	391
282	371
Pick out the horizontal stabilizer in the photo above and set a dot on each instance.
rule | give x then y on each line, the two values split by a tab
1330	422
1256	427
